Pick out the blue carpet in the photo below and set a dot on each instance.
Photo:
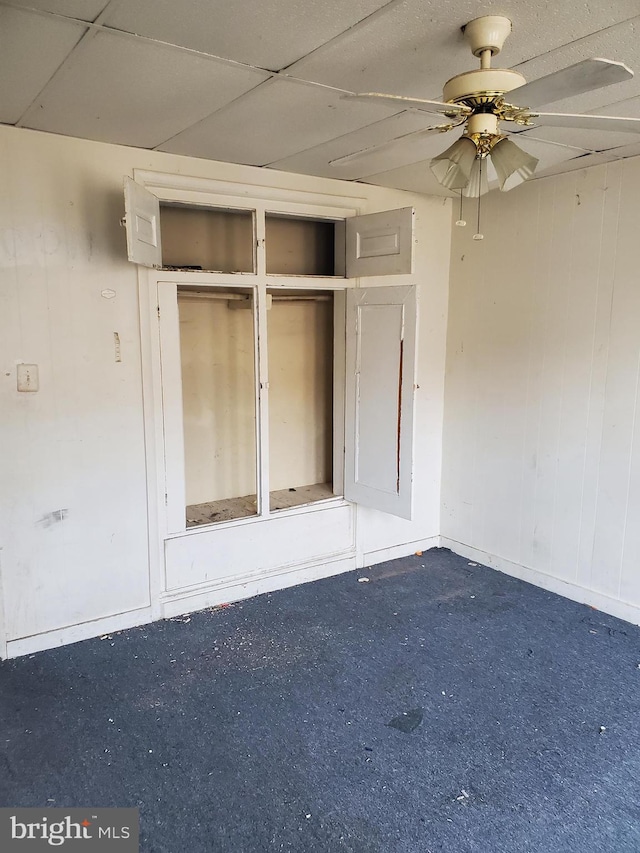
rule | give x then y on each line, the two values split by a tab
439	707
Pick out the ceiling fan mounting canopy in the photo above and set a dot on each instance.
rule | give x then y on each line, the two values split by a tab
487	33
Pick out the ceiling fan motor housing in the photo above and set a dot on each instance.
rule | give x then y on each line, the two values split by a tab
481	86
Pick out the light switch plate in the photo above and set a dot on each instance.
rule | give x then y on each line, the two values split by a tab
28	379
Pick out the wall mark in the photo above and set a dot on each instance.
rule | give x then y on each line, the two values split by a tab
54	517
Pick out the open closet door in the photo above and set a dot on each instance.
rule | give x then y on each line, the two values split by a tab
380	243
142	220
380	361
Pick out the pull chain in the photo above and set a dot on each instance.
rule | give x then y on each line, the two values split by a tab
478	235
461	221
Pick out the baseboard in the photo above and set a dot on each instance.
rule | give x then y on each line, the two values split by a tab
381	555
185	601
76	633
573	591
226	592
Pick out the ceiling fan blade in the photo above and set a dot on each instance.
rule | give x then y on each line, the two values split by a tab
403	102
408	148
588	122
582	77
385	147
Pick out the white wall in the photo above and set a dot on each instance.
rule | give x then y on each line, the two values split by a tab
541	471
73	504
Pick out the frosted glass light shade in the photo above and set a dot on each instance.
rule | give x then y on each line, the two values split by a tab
478	182
453	167
512	164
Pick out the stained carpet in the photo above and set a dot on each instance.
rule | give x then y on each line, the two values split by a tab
440	706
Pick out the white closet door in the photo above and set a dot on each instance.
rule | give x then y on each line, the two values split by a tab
142	220
380	361
380	243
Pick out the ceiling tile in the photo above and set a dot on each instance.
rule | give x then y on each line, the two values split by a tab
267	33
84	10
274	121
35	49
119	89
317	160
412	48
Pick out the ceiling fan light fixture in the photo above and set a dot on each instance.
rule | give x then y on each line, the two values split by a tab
478	181
453	167
512	164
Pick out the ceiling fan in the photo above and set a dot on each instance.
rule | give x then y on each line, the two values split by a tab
484	98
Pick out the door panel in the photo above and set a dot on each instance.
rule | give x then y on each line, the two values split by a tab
381	326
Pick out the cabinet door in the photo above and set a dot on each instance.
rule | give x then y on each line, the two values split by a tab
380	243
142	220
380	361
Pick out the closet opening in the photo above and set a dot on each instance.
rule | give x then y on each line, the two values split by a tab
301	423
217	354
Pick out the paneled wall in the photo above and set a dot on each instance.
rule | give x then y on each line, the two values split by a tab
542	436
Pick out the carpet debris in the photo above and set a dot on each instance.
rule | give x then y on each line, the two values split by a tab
363	580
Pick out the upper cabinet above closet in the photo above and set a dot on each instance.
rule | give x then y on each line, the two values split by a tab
255	240
208	238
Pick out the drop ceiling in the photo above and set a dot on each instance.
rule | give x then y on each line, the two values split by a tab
260	82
